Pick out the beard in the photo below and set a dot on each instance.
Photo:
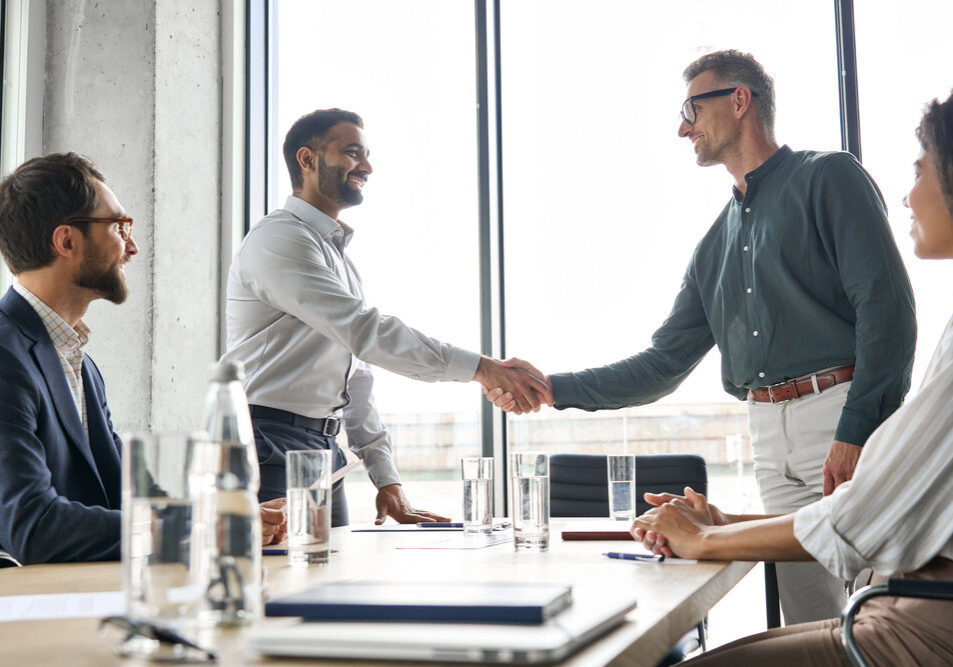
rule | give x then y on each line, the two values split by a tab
95	273
332	182
709	156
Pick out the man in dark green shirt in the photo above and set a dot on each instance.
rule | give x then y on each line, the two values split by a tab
799	278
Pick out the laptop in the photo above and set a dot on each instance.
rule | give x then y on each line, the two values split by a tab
552	641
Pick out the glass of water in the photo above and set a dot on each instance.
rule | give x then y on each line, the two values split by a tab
309	506
161	575
621	469
529	486
477	494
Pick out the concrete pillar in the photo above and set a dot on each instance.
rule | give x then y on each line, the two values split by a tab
136	86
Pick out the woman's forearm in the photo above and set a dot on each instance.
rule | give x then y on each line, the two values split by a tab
770	539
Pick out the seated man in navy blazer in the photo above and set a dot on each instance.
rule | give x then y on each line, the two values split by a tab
66	238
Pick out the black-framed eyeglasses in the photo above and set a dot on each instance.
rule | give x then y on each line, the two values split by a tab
689	115
125	224
170	646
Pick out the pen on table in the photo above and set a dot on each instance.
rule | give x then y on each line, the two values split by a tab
641	557
274	552
439	524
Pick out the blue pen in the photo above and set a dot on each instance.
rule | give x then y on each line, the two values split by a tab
640	557
274	552
440	524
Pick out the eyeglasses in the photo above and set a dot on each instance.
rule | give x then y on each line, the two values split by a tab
690	115
161	644
125	224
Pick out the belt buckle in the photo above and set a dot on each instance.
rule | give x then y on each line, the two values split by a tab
332	426
771	391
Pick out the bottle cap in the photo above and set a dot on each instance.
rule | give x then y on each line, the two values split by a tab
228	371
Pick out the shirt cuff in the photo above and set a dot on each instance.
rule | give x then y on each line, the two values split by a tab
563	390
462	367
853	428
815	530
380	467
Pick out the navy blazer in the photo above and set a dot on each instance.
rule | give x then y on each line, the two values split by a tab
59	493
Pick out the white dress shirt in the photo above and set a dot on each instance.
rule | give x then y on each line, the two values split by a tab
897	512
69	344
297	319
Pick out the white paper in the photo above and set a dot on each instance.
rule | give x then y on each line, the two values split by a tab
463	542
61	605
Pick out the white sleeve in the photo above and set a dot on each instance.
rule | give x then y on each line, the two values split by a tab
895	515
286	269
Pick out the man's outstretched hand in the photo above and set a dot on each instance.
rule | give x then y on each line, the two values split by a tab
507	400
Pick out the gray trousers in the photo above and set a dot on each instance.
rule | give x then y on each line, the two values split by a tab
790	441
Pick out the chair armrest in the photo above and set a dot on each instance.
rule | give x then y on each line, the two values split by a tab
913	588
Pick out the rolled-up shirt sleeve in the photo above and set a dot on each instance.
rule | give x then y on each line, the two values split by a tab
895	515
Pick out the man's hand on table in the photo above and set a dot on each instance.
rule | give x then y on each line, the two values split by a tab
274	524
391	501
840	464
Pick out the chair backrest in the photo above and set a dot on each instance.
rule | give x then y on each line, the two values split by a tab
579	483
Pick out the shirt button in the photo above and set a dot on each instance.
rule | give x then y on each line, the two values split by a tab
761	374
745	248
415	376
754	333
749	290
748	210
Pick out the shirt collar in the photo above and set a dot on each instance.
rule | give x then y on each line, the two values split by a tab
766	167
329	229
63	336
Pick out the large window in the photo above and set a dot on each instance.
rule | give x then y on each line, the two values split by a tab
602	203
409	70
893	92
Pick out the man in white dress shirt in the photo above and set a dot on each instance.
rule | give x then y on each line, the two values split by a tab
298	321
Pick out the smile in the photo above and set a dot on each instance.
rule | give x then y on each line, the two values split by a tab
356	182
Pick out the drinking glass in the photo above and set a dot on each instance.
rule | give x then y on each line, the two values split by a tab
160	569
309	506
477	494
621	469
529	485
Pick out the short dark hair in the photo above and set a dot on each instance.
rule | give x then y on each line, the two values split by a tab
936	136
39	196
734	68
310	130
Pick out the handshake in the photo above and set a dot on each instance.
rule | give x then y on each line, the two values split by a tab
514	385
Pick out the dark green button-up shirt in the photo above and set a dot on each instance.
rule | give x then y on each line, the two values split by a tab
799	274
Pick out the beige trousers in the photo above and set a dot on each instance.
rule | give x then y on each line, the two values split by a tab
790	441
888	631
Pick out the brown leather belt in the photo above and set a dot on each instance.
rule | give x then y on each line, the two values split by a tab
785	391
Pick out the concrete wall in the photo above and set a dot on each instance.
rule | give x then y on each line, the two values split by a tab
136	86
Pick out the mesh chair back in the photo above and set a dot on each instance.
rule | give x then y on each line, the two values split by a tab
579	483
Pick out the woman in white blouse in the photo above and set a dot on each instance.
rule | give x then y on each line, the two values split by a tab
895	516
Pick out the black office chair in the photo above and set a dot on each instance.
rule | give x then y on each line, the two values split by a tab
910	588
579	486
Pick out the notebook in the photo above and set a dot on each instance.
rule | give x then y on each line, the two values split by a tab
490	602
552	641
597	530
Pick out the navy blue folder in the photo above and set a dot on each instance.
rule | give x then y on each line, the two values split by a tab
494	602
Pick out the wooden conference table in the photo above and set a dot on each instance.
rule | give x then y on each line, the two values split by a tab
672	598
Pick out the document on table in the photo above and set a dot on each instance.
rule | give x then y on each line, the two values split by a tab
61	605
459	541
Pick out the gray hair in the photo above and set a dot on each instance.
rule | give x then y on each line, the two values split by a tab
734	68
